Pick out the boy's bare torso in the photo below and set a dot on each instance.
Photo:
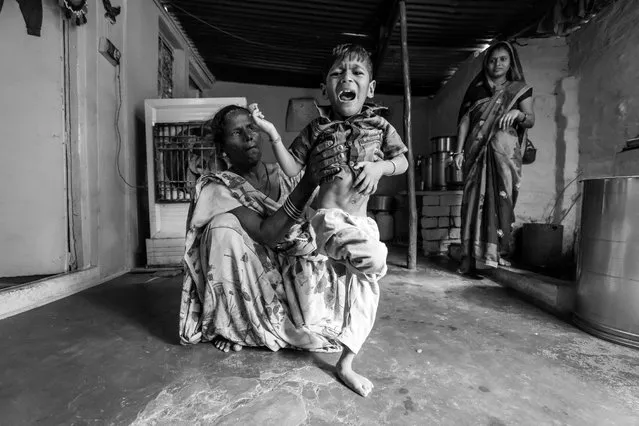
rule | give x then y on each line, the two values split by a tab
340	193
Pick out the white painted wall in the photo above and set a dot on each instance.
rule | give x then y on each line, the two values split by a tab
273	102
555	91
32	194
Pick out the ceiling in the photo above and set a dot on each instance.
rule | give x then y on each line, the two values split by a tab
284	42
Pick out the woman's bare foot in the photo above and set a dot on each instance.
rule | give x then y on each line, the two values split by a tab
504	262
225	345
468	269
356	382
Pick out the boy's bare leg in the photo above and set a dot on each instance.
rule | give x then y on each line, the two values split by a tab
356	382
225	345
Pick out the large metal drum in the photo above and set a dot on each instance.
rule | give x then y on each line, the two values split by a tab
607	302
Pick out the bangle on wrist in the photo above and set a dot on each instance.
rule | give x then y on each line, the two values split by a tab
394	168
458	153
276	140
292	211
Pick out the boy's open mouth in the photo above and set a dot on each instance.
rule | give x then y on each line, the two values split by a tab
346	95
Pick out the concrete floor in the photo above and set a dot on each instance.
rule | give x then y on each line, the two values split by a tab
444	350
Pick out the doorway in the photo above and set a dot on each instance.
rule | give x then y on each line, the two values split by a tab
34	216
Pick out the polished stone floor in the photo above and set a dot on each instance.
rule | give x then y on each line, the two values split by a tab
444	351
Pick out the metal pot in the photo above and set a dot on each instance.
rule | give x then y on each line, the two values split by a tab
381	203
443	143
427	173
454	177
440	161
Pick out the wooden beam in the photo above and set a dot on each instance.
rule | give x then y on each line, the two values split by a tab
385	34
412	202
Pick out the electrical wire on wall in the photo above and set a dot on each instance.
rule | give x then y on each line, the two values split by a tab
117	130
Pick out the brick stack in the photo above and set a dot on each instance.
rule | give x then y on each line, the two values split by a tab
440	222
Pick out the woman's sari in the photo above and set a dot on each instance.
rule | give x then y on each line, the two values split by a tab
287	297
492	171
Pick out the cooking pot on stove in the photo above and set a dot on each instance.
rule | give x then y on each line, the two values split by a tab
443	143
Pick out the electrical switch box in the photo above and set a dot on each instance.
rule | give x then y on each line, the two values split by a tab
109	51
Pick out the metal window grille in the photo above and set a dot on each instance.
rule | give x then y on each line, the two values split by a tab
165	69
182	152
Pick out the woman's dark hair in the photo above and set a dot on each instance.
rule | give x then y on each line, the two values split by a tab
515	72
217	123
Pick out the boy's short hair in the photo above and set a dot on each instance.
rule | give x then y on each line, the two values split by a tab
348	50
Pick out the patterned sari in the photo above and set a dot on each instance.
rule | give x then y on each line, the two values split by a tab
492	170
287	297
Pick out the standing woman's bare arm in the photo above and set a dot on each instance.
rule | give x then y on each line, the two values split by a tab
527	115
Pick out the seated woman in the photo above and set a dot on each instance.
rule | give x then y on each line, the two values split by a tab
252	276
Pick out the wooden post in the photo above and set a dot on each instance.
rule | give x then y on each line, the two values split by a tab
412	203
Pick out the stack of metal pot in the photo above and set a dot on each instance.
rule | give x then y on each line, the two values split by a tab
445	175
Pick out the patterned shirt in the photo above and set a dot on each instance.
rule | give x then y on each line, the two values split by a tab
367	137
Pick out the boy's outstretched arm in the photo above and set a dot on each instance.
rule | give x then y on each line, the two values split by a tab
287	162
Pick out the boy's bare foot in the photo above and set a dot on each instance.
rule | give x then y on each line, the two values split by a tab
225	345
356	382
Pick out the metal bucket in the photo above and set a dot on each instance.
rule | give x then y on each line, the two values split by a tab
607	303
454	177
443	143
542	245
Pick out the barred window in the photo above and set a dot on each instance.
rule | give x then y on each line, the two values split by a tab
183	152
165	69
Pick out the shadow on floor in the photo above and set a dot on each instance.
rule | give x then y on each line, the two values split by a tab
154	305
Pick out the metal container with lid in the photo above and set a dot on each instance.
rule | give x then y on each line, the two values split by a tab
607	301
454	176
443	143
440	162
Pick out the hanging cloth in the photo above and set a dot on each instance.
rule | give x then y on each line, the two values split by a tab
32	14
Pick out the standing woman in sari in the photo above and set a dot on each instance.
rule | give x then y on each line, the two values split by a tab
495	115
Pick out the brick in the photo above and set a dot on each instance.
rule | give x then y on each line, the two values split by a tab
450	200
444	222
444	244
454	233
455	211
435	211
431	200
435	234
431	247
456	221
429	222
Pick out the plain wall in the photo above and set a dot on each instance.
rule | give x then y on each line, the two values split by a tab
549	191
273	101
605	56
33	238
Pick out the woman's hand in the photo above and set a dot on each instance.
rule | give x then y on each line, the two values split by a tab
458	160
508	119
369	176
324	161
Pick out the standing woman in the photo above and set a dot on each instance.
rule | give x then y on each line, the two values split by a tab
495	114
